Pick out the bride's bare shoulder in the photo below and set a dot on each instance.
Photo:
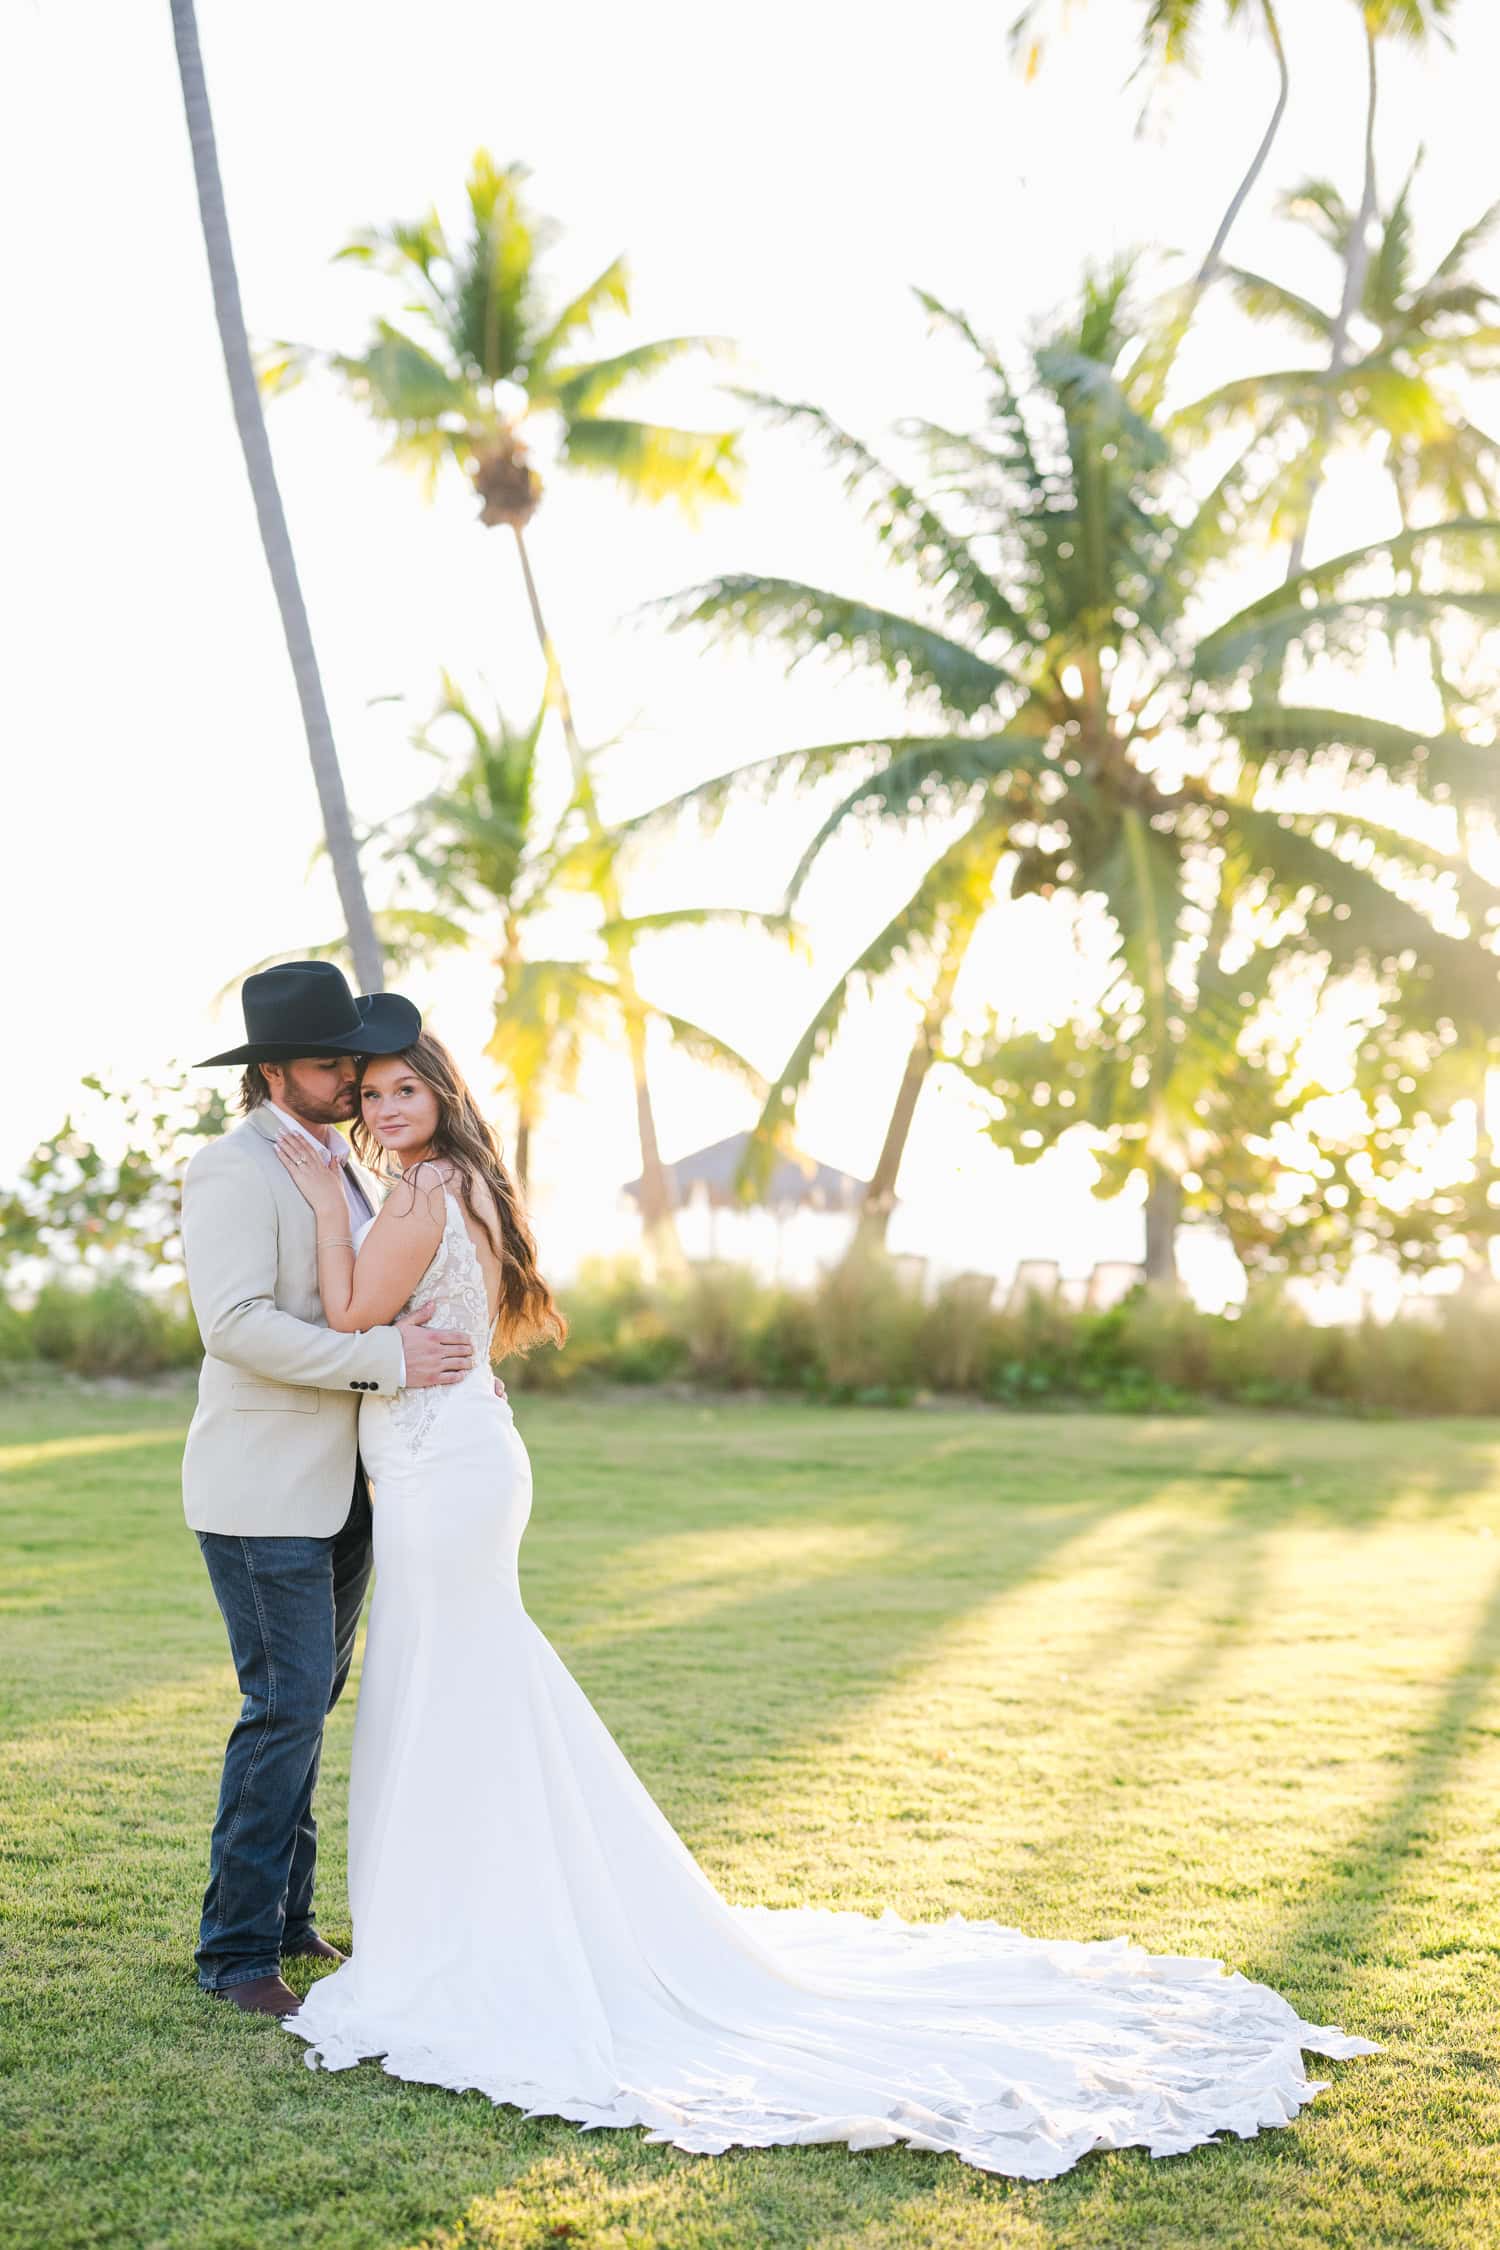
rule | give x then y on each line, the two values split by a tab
481	1213
419	1194
433	1172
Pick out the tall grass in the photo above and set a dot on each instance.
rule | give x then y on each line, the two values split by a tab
866	1334
104	1327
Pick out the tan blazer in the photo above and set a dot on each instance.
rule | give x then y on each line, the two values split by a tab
271	1450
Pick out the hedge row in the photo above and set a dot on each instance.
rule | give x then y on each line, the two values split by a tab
109	1328
868	1336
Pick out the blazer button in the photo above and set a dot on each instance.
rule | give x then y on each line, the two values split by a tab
354	1386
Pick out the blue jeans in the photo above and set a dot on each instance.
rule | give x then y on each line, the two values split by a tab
291	1607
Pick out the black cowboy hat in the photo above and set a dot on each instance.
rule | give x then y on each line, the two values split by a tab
306	1008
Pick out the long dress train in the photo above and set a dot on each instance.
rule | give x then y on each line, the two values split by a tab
527	1923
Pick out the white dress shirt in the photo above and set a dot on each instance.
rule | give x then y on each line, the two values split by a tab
335	1150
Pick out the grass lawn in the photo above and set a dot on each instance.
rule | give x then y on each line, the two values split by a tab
1226	1684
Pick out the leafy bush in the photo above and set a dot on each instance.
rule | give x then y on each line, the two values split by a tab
17	1344
865	1334
111	1328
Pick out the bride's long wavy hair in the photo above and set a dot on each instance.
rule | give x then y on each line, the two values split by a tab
528	1314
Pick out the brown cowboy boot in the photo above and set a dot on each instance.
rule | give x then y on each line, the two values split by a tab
313	1948
262	1996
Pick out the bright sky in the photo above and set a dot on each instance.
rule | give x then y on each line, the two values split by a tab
781	177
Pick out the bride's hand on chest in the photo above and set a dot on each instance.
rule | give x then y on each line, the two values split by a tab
319	1183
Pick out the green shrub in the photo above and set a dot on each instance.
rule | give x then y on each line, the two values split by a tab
865	1334
17	1343
721	1313
111	1328
954	1336
867	1327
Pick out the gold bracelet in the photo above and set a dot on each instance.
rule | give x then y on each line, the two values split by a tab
335	1242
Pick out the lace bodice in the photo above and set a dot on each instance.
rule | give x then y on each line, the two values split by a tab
454	1287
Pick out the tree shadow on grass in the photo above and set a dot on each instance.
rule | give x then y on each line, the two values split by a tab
789	1666
801	1661
1338	1926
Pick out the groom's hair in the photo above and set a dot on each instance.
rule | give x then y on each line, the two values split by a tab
253	1089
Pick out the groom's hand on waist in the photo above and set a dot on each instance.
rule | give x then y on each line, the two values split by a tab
434	1356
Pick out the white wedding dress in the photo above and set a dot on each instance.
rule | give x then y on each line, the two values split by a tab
526	1922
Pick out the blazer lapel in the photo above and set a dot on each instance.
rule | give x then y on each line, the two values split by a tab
270	1127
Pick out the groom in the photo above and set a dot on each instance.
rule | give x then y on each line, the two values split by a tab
271	1477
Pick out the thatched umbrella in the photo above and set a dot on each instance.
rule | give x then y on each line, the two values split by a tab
797	1182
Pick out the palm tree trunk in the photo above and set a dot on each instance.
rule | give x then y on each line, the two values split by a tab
656	1194
275	540
1210	265
1163	1210
1356	265
880	1196
1475	828
1182	320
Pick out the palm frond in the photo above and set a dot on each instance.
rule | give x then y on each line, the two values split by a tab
968	863
936	775
1396	857
1264	299
411	253
653	462
407	934
399	381
1090	391
1462	248
281	365
910	530
609	291
758	780
547	1014
1006	410
1278	391
706	1046
1359	922
1218	520
1140	880
1317	203
811	620
776	925
492	304
1284	738
1306	608
1333	628
1388	271
584	388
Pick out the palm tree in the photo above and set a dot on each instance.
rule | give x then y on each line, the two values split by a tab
1167	43
1298	1182
1413	21
1395	395
1082	725
488	866
481	360
275	540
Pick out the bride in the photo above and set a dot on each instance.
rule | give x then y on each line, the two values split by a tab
526	1922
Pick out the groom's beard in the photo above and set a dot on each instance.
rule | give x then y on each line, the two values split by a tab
333	1113
308	1110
